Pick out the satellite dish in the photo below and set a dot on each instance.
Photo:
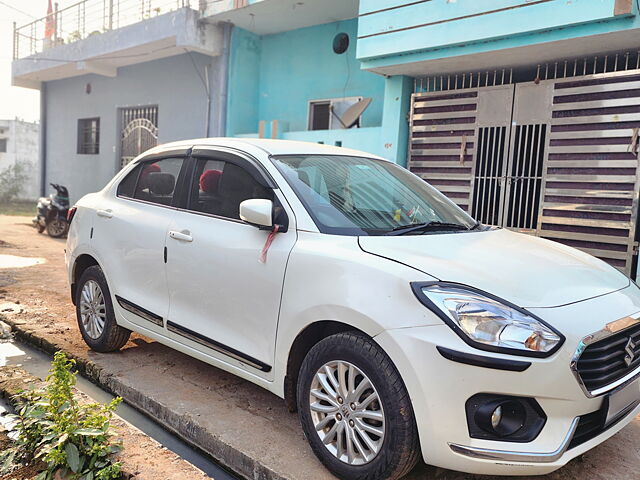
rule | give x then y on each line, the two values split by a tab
352	115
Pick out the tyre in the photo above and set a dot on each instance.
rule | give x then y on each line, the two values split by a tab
95	314
57	228
355	410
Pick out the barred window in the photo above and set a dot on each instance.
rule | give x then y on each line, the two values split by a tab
89	136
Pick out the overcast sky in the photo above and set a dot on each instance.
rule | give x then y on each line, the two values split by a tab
14	101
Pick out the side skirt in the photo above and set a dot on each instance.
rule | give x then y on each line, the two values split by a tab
218	347
140	312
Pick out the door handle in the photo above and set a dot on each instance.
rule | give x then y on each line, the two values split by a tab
105	213
184	235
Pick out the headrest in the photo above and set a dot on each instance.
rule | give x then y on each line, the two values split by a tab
236	182
209	181
146	170
161	183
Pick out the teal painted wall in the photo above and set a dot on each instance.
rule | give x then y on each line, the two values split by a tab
300	65
408	31
395	123
273	77
244	79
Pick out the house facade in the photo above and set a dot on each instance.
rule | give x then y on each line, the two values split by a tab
19	148
525	113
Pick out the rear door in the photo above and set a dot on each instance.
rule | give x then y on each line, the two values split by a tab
223	300
130	233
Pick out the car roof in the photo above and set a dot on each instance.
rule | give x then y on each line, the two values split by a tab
270	146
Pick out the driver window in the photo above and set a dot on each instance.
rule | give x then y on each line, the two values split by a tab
219	187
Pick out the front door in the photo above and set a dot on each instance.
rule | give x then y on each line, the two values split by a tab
513	122
223	300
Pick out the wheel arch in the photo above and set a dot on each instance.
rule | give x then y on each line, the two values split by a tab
304	341
81	263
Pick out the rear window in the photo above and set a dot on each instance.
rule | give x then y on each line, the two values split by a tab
128	185
153	182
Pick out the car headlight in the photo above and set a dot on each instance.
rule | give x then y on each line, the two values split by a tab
487	322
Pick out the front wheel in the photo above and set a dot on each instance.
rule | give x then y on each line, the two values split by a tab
355	410
95	314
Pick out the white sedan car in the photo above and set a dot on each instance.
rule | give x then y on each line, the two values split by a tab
393	322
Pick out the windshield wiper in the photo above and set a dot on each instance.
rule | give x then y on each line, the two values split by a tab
434	225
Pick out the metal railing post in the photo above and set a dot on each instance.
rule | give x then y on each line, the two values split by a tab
15	41
110	14
57	25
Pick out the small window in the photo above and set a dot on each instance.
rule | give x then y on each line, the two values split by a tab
219	187
327	114
89	136
153	182
319	115
3	145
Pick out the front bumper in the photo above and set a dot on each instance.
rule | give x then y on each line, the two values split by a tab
439	388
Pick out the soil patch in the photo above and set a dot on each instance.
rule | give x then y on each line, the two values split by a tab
23	472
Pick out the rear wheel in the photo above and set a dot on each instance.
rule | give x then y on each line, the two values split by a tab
355	410
95	314
57	227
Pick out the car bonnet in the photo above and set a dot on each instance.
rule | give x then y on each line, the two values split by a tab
525	270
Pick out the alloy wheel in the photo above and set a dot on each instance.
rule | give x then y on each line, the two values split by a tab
347	413
93	310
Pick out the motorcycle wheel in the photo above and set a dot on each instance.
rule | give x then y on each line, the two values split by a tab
56	228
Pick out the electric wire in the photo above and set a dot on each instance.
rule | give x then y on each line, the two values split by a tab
16	9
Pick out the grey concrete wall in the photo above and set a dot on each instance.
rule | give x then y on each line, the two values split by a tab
174	84
22	148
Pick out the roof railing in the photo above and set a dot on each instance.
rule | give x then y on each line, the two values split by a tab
84	19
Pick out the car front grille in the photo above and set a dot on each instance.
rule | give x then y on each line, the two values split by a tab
607	360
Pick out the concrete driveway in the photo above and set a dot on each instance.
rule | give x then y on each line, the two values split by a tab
240	424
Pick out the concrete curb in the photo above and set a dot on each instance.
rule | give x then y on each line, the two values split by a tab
184	426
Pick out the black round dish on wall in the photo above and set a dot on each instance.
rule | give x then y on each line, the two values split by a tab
340	43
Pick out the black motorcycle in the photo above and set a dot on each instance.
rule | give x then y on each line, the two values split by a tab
52	212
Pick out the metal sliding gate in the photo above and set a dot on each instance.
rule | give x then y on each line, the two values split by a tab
555	158
139	132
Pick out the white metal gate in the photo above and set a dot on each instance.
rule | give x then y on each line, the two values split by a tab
139	132
556	158
591	181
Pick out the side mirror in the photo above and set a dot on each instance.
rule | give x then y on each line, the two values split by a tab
257	211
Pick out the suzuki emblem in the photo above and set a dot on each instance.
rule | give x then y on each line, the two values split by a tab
631	354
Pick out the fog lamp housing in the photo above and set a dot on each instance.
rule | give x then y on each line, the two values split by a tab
504	418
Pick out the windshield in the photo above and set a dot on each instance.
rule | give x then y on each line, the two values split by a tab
362	196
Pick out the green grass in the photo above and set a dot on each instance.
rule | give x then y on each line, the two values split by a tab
18	207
